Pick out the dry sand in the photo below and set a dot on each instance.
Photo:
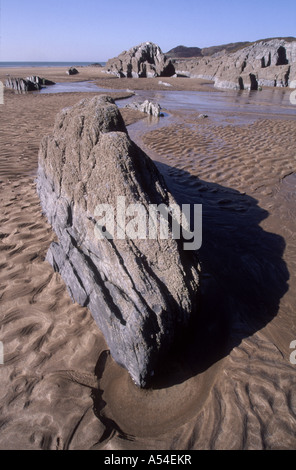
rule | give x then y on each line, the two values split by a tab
230	385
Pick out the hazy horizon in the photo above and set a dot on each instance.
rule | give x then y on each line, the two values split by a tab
94	31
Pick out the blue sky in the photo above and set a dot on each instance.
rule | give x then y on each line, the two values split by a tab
95	30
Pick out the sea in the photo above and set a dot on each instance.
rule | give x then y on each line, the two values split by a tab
49	64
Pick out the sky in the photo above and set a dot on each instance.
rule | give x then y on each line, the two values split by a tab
96	30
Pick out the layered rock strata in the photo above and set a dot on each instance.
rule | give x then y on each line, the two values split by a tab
264	63
140	291
145	60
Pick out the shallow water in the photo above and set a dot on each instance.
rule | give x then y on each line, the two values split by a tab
273	101
252	104
69	87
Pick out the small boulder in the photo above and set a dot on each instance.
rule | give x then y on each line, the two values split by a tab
72	71
147	107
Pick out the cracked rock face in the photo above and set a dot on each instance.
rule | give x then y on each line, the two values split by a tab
140	292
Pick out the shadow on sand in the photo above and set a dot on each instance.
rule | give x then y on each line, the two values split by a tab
243	279
243	275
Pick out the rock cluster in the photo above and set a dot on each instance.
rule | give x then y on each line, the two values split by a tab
264	63
22	85
145	60
141	292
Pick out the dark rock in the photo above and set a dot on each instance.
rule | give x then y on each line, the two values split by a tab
140	292
72	71
40	81
145	60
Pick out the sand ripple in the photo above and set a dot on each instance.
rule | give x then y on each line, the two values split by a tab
230	384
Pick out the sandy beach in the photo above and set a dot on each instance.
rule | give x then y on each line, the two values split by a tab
230	384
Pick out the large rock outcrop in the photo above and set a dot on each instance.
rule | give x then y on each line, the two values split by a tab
141	292
263	63
145	60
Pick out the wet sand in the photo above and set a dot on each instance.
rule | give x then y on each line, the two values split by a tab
230	383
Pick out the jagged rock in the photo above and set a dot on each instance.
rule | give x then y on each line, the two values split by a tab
72	71
40	81
147	107
21	85
145	60
140	292
263	63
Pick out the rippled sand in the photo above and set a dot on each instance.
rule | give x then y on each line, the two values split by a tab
230	383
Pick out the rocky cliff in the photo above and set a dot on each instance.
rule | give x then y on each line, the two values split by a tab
141	291
145	60
269	62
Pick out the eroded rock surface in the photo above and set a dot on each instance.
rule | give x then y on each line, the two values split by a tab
141	293
145	60
263	63
147	107
21	85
